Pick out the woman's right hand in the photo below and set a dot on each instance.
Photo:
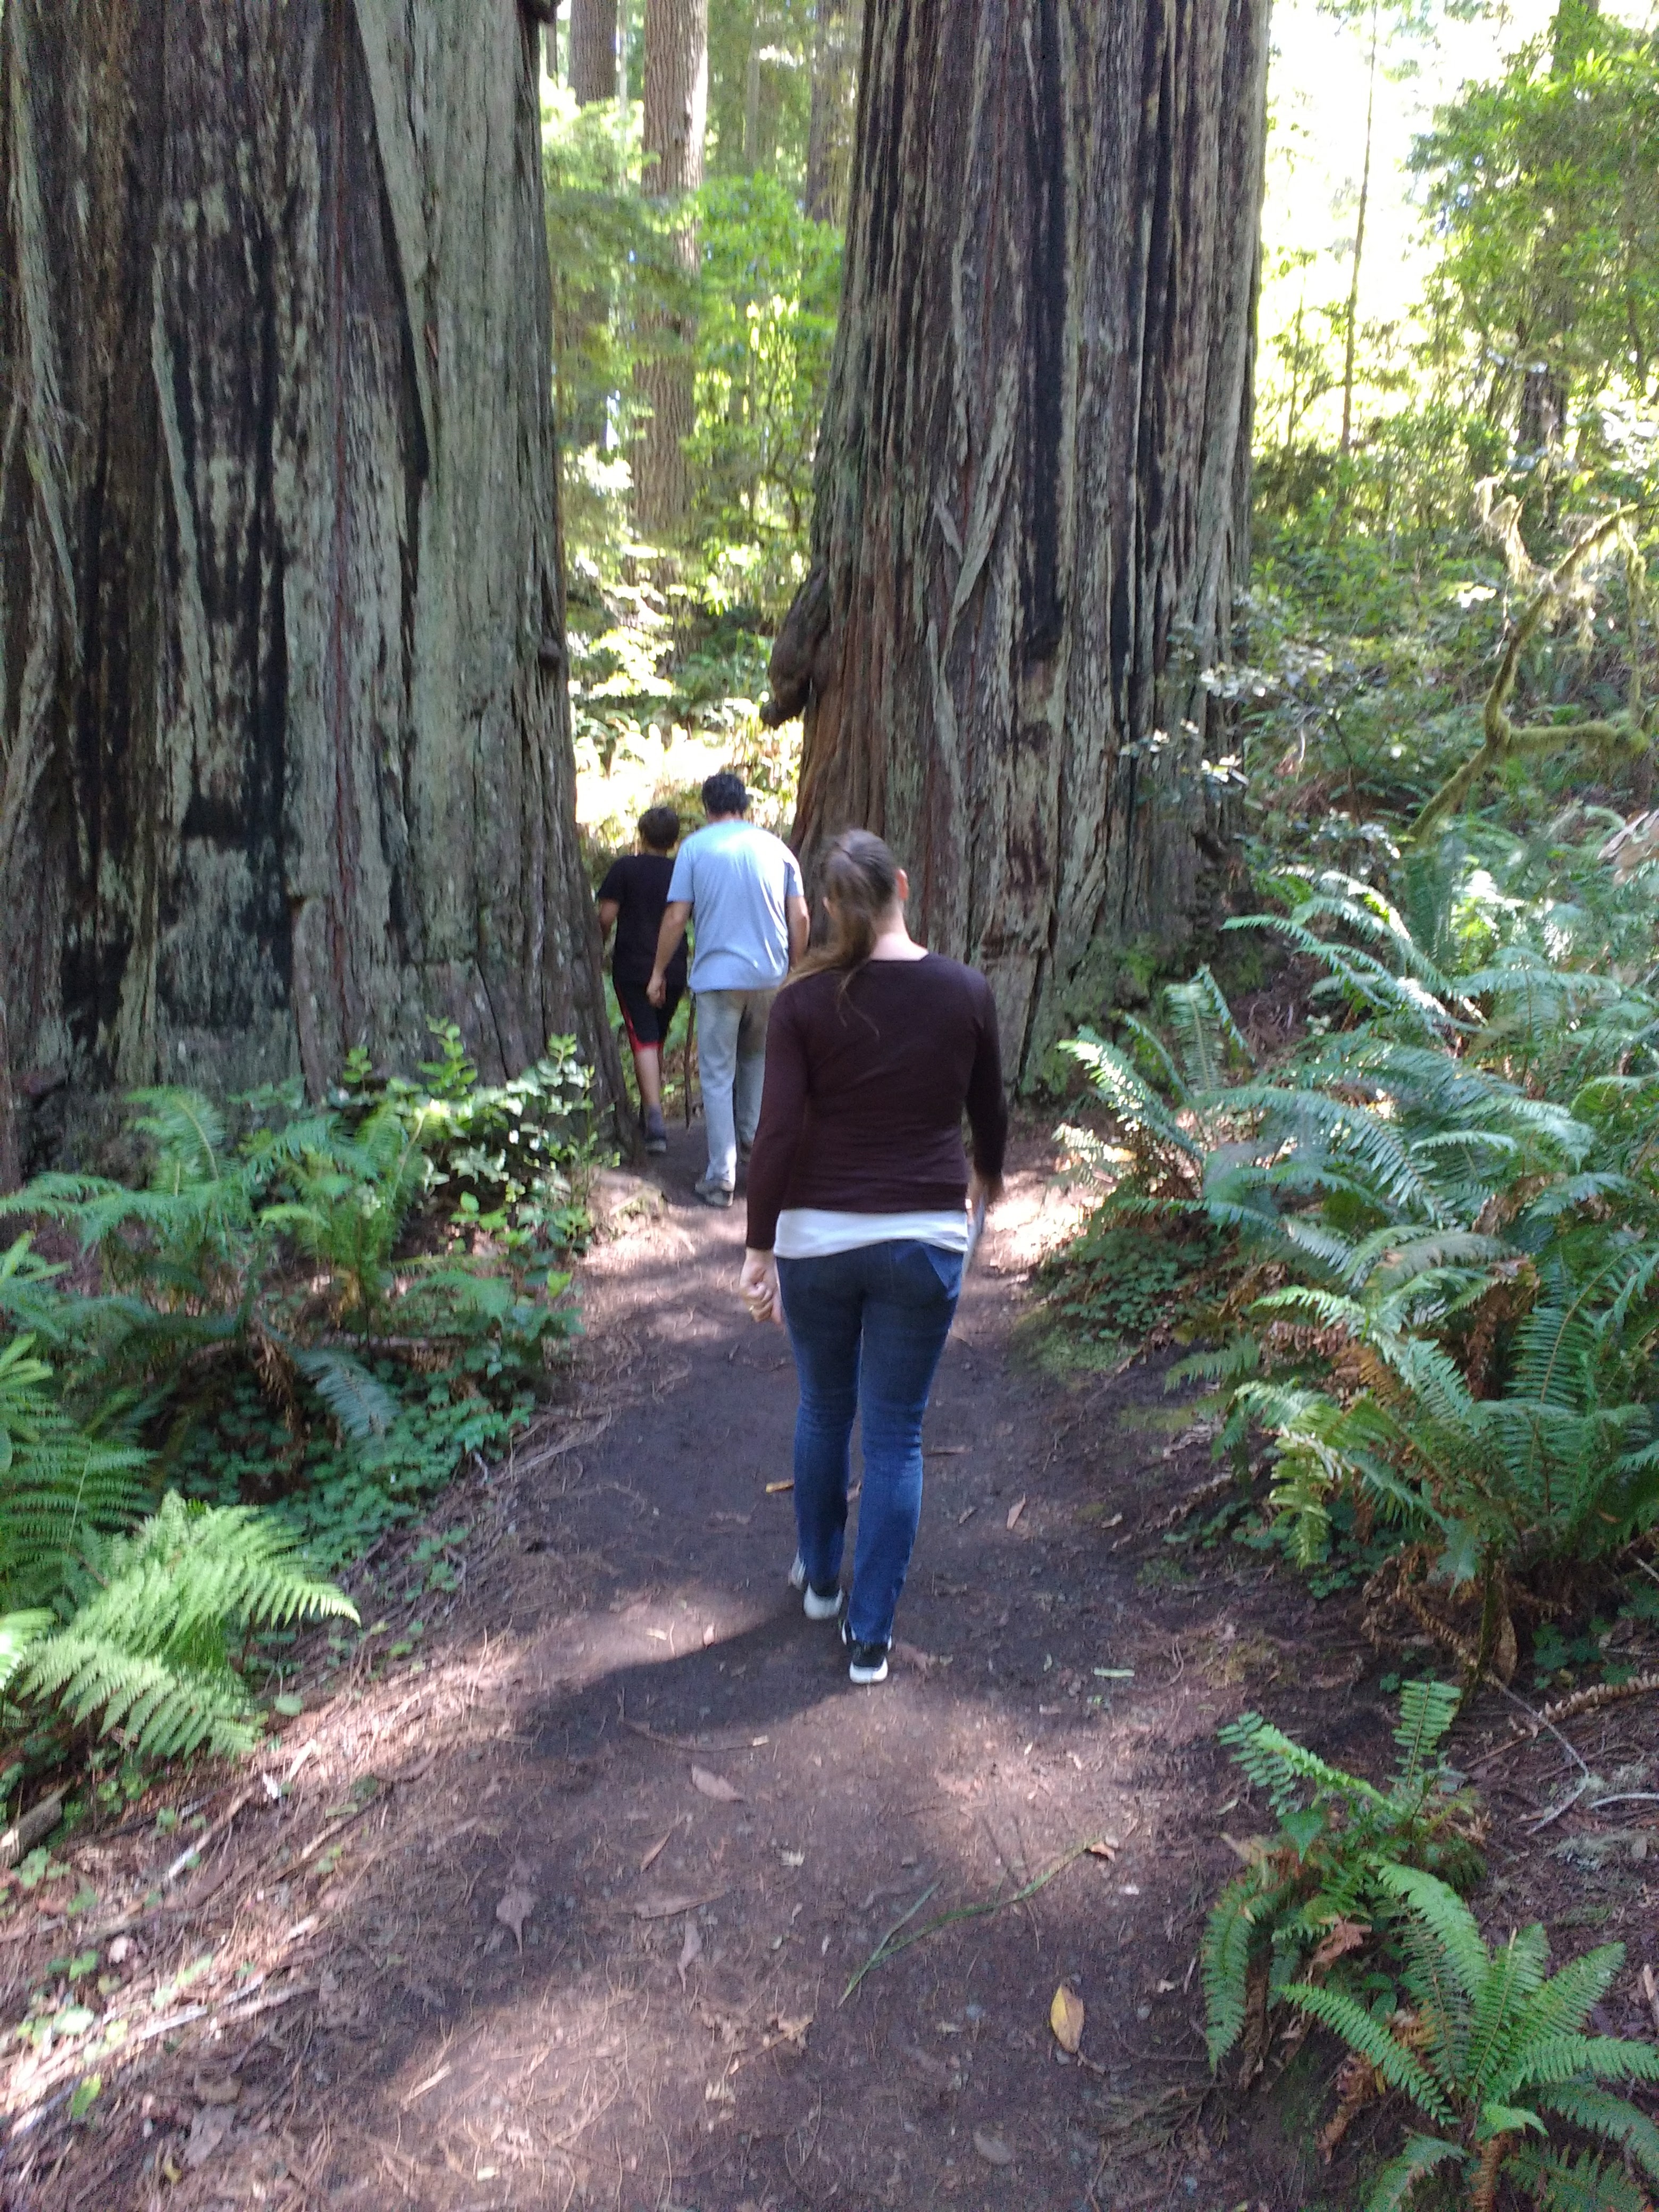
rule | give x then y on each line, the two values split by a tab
759	1285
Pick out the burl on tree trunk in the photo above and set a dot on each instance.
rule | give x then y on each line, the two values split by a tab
1032	479
287	756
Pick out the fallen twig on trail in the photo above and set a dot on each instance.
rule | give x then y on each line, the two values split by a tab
887	1948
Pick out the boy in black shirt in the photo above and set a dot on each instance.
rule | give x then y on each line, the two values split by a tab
632	896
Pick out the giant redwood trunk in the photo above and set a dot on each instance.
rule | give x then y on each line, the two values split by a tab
1030	515
282	697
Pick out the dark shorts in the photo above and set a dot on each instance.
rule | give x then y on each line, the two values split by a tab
647	1025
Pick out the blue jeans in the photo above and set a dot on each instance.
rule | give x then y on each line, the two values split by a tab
732	1066
867	1326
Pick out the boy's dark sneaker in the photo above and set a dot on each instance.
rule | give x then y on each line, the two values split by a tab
866	1663
656	1136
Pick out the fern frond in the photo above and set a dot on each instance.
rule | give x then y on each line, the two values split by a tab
1615	2120
1347	2017
1593	2058
1230	1934
1276	1764
1560	2006
18	1632
1443	1912
167	1710
145	1649
1422	2154
1584	2183
363	1407
1427	1710
188	1132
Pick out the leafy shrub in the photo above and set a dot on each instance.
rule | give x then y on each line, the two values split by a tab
317	1317
1313	1893
1490	2049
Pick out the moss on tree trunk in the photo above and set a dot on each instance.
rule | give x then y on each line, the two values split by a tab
283	648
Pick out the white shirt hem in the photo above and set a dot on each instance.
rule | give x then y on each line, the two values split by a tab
813	1232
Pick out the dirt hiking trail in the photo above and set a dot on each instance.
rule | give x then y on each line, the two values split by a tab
564	1909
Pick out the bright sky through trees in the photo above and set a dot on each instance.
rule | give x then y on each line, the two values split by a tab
1317	96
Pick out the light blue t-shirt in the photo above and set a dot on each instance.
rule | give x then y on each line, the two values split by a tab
737	878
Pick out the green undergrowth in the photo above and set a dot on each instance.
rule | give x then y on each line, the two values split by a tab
226	1377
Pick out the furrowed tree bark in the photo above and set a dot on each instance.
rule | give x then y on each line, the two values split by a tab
593	49
1032	479
829	140
283	701
675	124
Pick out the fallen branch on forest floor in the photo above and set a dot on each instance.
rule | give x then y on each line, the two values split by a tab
39	1820
887	1948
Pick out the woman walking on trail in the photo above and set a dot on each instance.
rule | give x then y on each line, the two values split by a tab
860	1205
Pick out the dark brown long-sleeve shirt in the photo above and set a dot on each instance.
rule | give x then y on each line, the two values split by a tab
865	1090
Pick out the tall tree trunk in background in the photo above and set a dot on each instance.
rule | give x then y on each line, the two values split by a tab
1351	336
834	42
675	123
751	97
1032	479
283	701
1541	410
593	50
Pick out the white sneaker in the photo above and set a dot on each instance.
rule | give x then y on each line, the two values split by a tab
816	1605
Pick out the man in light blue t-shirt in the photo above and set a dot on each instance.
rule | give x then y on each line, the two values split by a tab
740	889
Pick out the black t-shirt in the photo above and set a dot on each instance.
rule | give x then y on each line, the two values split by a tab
639	882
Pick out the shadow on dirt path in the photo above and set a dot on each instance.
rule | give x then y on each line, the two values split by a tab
569	1915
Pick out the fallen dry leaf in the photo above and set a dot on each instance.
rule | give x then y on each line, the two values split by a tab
691	1949
715	1786
1014	1512
217	2088
656	1852
909	1655
991	2149
206	2131
1065	2017
792	2029
1103	1847
777	1489
515	1907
